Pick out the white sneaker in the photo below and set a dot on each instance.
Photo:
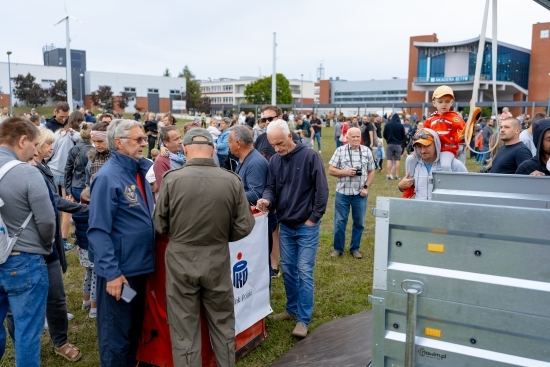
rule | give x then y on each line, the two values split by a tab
46	324
70	316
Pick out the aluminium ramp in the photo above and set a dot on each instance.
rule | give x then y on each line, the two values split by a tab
474	280
492	189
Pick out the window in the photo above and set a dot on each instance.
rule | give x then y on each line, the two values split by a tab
216	100
205	89
437	68
544	33
175	92
216	88
46	83
152	90
228	88
422	65
228	100
129	89
316	90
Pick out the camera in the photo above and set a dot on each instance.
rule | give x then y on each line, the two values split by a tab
358	171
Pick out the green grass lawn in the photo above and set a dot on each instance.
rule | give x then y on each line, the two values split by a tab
341	285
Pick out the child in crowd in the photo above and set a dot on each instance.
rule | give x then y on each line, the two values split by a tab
448	124
304	139
213	129
154	154
379	156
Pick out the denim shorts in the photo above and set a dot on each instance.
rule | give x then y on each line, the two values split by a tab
59	180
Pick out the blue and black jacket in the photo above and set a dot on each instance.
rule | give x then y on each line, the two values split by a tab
122	233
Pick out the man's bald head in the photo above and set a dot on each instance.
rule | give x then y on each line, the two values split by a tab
353	130
513	122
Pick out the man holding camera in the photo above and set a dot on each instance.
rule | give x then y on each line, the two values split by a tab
353	165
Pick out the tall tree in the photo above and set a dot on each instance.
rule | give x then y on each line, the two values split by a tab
203	105
36	96
123	100
58	91
22	85
26	90
193	89
259	91
103	97
167	72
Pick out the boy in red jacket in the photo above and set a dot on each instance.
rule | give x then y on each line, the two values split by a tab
450	127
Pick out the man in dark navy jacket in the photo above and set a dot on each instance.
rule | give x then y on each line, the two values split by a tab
297	188
121	236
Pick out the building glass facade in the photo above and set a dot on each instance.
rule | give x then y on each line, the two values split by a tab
422	65
437	66
512	65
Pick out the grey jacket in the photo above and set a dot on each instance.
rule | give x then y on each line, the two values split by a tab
23	190
423	186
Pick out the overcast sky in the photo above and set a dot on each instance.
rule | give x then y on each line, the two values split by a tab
356	39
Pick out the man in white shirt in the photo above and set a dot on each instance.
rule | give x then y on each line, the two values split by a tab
242	118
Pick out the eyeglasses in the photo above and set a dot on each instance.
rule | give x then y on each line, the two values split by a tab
266	119
141	139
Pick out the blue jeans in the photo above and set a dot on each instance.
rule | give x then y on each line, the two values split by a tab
342	205
298	250
76	193
338	142
317	137
24	288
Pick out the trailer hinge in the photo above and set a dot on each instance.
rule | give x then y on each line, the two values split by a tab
380	213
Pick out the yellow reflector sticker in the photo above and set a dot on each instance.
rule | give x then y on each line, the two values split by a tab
432	332
434	247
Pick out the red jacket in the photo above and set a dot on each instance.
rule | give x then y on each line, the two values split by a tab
450	128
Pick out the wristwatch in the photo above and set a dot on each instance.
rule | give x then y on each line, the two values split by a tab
365	186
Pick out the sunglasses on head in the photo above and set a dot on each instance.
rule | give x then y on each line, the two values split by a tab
266	119
421	135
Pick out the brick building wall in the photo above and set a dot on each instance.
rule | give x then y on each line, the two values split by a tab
539	69
4	100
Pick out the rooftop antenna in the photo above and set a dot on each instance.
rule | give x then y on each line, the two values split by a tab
321	71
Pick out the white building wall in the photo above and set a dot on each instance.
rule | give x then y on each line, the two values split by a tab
457	63
231	91
43	74
117	82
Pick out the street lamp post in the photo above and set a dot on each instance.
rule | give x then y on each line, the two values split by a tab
302	95
81	91
9	83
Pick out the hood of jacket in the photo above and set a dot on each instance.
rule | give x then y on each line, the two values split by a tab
395	119
437	143
539	128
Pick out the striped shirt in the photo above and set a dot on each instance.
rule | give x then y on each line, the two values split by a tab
344	158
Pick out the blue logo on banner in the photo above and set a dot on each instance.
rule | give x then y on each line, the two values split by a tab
240	272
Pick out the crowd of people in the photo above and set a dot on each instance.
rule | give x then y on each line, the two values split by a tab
71	170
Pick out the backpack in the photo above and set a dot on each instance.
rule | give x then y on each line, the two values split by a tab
7	242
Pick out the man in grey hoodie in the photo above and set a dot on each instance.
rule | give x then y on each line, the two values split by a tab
24	275
427	148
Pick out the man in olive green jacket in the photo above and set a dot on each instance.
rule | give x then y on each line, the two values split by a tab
202	208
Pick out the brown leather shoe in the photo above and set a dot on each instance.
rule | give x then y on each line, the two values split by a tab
282	316
335	254
357	255
300	331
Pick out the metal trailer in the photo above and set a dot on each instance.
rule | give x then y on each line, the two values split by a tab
460	284
492	189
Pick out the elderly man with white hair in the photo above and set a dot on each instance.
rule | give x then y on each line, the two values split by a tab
297	188
122	237
353	165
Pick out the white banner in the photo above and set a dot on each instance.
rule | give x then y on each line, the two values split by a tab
179	105
250	275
